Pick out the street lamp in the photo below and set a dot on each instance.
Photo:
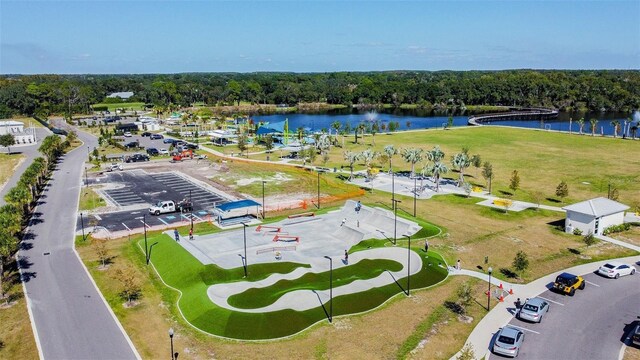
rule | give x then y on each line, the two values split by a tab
146	251
319	189
191	210
244	231
395	219
489	292
393	188
415	193
171	337
82	224
263	199
408	265
330	288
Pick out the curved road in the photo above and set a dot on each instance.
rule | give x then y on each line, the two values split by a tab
70	318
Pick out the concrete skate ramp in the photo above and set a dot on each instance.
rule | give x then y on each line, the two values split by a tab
348	234
384	221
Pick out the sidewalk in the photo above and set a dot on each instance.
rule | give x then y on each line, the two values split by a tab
499	316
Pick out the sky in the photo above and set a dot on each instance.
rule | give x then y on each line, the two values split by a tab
114	37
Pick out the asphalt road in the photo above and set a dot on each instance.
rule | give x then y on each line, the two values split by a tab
30	152
71	319
593	324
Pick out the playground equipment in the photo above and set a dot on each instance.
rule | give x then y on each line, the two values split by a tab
188	153
277	249
269	228
286	238
307	214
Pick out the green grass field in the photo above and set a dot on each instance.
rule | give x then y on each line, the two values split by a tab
138	106
181	271
542	159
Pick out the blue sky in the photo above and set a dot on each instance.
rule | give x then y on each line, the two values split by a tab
209	36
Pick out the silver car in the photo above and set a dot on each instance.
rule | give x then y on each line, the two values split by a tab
533	310
508	341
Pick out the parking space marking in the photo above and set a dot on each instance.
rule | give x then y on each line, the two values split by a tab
194	215
523	328
145	224
123	224
549	300
164	222
171	217
590	283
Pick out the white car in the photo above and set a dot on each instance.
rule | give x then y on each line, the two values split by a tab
114	167
616	269
127	134
163	152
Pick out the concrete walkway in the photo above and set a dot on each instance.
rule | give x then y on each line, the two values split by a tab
499	316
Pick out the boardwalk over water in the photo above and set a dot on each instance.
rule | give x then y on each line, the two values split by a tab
515	114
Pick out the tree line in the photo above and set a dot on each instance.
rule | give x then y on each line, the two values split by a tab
440	91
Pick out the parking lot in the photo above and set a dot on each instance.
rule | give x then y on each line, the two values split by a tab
593	324
133	192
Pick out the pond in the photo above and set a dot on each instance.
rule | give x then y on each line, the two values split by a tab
411	119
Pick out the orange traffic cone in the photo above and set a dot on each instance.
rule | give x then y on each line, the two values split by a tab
500	287
501	298
510	291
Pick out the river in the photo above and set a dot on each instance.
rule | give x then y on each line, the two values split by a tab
413	119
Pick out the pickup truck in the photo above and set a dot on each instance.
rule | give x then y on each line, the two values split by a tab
170	206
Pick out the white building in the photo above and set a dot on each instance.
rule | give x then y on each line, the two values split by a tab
20	134
124	95
593	216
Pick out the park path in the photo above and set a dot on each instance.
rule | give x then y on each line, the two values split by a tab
70	317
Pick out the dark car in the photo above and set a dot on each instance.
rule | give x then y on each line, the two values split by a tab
191	146
156	136
132	145
59	131
169	141
146	133
136	158
153	151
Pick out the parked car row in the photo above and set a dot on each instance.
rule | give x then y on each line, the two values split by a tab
508	341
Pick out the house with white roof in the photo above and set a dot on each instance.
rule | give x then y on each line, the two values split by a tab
20	134
593	216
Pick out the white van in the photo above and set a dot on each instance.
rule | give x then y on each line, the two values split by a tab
163	207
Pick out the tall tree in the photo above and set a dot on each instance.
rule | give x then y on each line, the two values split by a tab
436	169
514	182
461	161
594	123
562	190
412	156
351	158
616	127
7	140
390	151
581	124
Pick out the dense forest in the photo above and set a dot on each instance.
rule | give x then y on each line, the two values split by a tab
614	90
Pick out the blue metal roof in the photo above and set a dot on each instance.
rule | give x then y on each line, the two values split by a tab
237	205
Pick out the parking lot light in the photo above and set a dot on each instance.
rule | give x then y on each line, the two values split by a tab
144	224
244	229
330	287
263	210
408	265
490	270
395	220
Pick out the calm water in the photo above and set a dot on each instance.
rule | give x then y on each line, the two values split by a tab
408	120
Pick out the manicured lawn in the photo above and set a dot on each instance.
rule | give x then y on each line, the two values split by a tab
181	271
89	200
543	159
128	106
8	164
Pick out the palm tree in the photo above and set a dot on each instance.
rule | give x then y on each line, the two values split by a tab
390	151
351	157
616	127
19	196
634	130
593	122
461	161
336	126
581	124
412	156
436	169
368	156
435	155
8	244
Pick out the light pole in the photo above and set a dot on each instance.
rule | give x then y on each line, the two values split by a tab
244	231
408	266
146	251
415	193
330	288
82	224
263	199
191	210
395	219
489	292
319	189
393	189
171	339
86	180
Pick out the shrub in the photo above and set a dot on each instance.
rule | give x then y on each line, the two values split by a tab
521	262
577	231
589	239
616	228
